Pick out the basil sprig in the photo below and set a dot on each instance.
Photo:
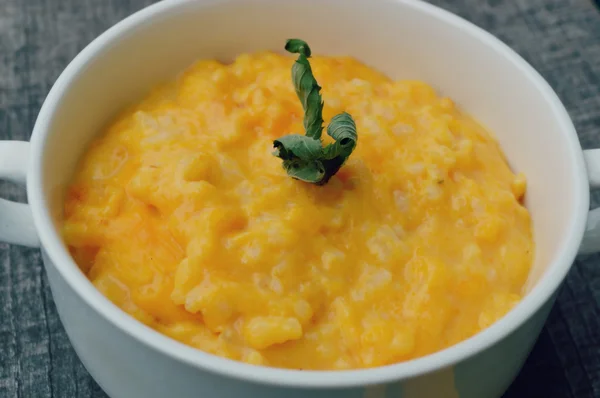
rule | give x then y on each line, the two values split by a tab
304	156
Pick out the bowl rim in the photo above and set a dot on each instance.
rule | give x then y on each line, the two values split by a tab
531	303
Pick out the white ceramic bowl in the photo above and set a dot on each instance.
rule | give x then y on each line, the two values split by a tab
406	39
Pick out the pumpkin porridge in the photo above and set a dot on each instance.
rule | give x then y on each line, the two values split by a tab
182	216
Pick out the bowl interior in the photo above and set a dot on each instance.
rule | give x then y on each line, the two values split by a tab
404	39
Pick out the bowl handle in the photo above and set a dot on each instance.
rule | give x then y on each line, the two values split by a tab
591	238
16	222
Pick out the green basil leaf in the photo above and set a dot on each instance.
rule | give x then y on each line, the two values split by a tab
307	88
311	171
343	130
296	146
